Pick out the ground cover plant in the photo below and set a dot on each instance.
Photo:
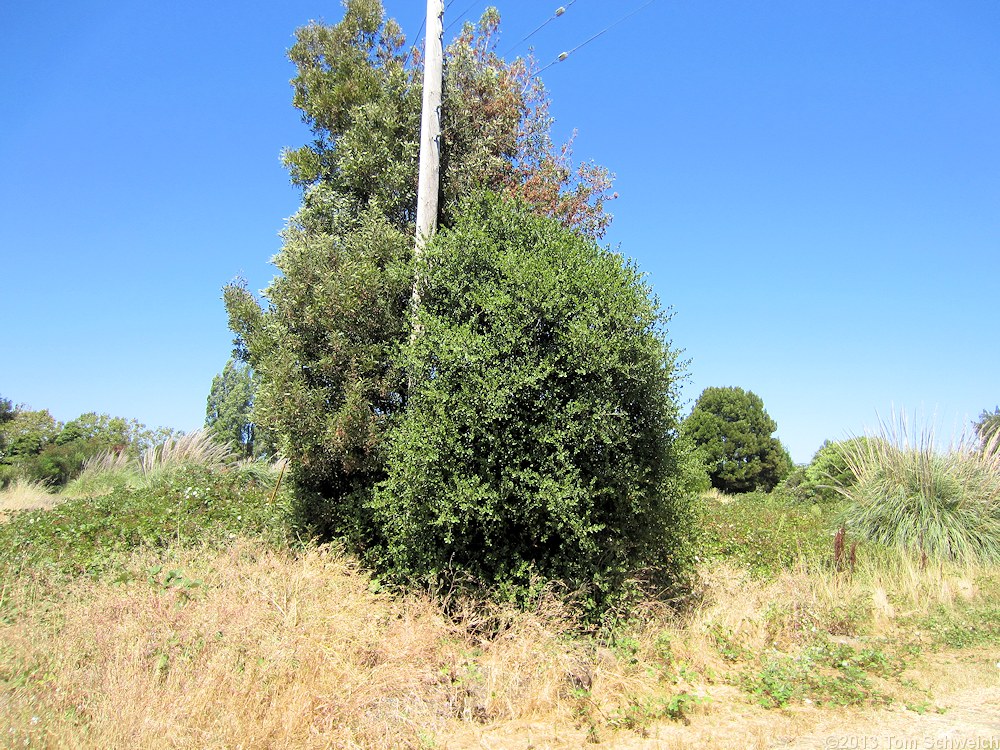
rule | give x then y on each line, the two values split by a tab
192	504
187	490
765	533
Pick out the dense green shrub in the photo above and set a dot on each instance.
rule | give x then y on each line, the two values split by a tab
826	477
352	400
734	435
24	436
540	435
27	432
56	464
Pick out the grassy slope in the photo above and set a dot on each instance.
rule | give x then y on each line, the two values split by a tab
233	638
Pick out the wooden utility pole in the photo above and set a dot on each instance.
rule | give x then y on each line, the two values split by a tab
430	129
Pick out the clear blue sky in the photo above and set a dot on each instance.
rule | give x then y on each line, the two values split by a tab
814	187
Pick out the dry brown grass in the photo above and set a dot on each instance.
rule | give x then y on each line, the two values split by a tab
25	495
268	651
252	648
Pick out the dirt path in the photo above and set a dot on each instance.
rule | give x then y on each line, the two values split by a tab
970	721
961	717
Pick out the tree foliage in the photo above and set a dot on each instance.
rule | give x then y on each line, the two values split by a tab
540	435
988	426
27	432
35	446
6	415
362	99
326	352
6	410
343	388
228	411
326	345
735	436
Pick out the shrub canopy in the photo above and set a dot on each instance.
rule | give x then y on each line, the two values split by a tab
541	433
828	475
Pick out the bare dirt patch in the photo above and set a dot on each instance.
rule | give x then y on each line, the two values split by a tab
962	713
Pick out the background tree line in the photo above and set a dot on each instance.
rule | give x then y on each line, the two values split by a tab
36	447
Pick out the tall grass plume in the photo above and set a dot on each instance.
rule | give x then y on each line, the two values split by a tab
198	447
942	504
105	472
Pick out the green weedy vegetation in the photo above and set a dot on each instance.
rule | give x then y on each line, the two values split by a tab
540	435
825	673
967	624
189	505
911	495
187	491
766	533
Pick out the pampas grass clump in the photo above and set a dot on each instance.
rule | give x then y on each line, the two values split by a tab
912	495
105	472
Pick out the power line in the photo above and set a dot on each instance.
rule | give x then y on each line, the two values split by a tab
423	22
564	55
558	12
460	16
416	42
